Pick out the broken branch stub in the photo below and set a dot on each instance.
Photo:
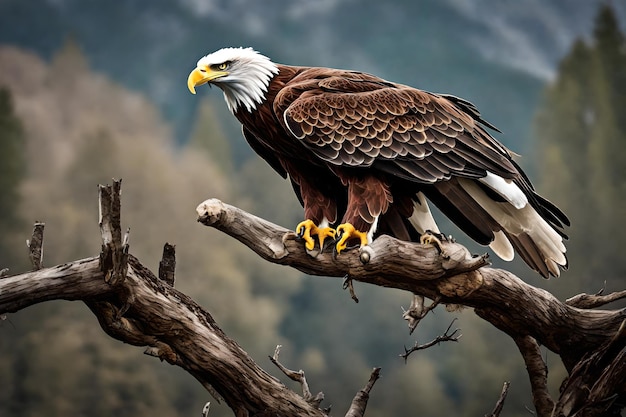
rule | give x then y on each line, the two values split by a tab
35	246
114	254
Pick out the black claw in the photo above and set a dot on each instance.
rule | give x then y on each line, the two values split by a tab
335	249
327	244
346	282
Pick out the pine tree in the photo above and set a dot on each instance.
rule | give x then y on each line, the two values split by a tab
581	129
610	45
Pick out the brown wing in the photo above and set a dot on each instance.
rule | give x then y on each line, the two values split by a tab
353	119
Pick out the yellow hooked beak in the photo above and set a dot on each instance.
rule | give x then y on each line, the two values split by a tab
202	75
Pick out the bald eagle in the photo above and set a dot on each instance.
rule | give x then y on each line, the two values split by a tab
365	156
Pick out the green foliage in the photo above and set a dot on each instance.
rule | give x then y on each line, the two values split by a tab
582	132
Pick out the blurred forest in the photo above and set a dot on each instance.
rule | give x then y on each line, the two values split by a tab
65	126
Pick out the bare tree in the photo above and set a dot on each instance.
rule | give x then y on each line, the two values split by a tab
140	308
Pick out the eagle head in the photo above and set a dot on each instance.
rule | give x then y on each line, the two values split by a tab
243	74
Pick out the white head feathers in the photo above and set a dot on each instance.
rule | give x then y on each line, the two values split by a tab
248	76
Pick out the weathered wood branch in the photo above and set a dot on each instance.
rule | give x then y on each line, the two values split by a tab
445	337
500	403
359	403
454	276
159	316
167	266
35	246
595	300
134	306
299	377
538	374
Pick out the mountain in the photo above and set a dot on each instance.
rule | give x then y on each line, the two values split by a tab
497	54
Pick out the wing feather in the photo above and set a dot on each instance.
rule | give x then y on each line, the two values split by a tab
352	119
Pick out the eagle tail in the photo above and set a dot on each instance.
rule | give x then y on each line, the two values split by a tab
498	216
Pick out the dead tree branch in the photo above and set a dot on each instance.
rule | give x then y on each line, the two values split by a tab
35	246
595	300
359	403
134	306
417	311
600	372
299	377
538	374
167	266
445	337
500	403
454	276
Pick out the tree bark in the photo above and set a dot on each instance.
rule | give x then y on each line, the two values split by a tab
139	308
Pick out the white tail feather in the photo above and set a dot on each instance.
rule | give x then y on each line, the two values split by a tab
422	219
518	221
502	247
506	188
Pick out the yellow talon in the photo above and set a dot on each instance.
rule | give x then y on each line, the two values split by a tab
347	232
307	228
303	229
323	233
430	239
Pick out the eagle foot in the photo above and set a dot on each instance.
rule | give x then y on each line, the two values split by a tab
431	238
307	229
347	232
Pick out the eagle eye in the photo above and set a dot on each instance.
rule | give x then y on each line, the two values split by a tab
220	67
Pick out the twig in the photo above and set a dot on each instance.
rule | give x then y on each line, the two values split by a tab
418	310
348	284
595	300
446	337
297	376
359	403
500	403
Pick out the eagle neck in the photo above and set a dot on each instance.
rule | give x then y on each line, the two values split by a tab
263	123
264	109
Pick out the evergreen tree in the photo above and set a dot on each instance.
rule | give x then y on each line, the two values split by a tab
610	45
581	128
